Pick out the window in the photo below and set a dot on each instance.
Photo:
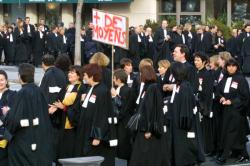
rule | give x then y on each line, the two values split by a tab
240	9
183	10
190	6
168	6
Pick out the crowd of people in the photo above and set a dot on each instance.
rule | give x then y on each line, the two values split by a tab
175	98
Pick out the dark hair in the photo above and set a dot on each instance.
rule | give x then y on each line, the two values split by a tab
247	25
121	75
27	18
78	70
48	60
93	70
63	62
232	62
26	72
201	55
2	72
148	74
183	49
179	71
124	62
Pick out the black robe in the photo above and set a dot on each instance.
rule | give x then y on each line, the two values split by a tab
153	150
124	105
93	124
7	99
28	122
9	49
21	54
39	47
185	128
245	54
52	44
233	47
53	81
205	44
234	123
29	42
135	50
149	47
163	48
222	41
205	101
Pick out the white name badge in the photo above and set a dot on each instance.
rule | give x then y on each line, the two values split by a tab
190	135
24	122
92	98
113	143
54	89
33	147
234	85
35	122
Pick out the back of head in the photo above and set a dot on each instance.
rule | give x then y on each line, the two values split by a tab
63	62
121	75
179	71
100	59
26	72
48	60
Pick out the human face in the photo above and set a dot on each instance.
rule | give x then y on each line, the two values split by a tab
128	68
221	62
247	29
27	20
42	22
87	79
234	33
73	77
231	69
3	82
162	70
164	24
115	81
178	56
212	66
198	63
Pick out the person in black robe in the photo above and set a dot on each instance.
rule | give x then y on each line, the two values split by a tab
122	98
45	27
136	48
178	37
65	104
84	60
234	96
119	54
220	42
162	40
149	142
20	36
233	47
39	46
205	101
204	41
10	47
6	103
53	81
94	107
186	144
28	122
70	35
29	29
191	38
164	70
52	44
149	44
63	42
181	54
245	54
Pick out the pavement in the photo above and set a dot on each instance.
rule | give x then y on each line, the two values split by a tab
15	85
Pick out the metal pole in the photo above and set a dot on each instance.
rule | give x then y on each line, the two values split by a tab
112	66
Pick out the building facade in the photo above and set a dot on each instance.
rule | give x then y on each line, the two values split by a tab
138	11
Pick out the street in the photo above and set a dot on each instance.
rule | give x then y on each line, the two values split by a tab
14	85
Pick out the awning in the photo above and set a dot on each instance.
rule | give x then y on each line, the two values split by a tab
63	1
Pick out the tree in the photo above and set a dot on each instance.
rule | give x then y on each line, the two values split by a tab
77	60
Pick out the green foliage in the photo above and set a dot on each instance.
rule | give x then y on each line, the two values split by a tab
152	24
238	24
